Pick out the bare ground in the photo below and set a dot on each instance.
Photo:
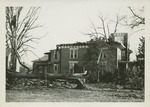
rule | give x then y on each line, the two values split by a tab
92	94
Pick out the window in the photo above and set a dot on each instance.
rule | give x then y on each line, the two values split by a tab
40	69
71	53
78	68
55	67
72	65
118	54
103	56
55	54
122	55
45	69
74	53
50	69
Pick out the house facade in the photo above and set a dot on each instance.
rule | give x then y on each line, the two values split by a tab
65	58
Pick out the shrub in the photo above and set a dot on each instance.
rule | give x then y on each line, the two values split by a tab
130	78
107	77
92	77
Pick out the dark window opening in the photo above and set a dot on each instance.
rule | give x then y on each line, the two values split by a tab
75	55
71	53
40	69
55	54
78	69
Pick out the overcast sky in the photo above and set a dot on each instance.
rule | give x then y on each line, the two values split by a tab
67	21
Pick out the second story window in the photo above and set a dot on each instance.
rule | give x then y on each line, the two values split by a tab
55	54
103	56
74	53
71	54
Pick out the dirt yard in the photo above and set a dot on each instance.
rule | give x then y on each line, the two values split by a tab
43	94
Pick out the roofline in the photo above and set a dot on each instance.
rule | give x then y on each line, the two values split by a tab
122	46
74	44
119	45
120	33
40	59
47	52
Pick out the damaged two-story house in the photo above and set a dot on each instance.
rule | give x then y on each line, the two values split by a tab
65	58
62	60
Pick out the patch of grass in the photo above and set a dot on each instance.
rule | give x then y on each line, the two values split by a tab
43	94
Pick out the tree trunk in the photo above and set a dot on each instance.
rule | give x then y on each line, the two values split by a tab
13	50
12	67
13	60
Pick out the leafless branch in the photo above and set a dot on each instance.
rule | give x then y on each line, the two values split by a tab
17	30
103	25
136	32
33	53
136	19
95	30
104	29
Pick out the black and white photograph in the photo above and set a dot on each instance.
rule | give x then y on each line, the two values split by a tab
75	51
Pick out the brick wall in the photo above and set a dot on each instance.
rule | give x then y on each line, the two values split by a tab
64	64
82	52
65	58
53	59
113	54
111	59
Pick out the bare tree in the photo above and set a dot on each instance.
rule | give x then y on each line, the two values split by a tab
136	19
103	31
17	32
